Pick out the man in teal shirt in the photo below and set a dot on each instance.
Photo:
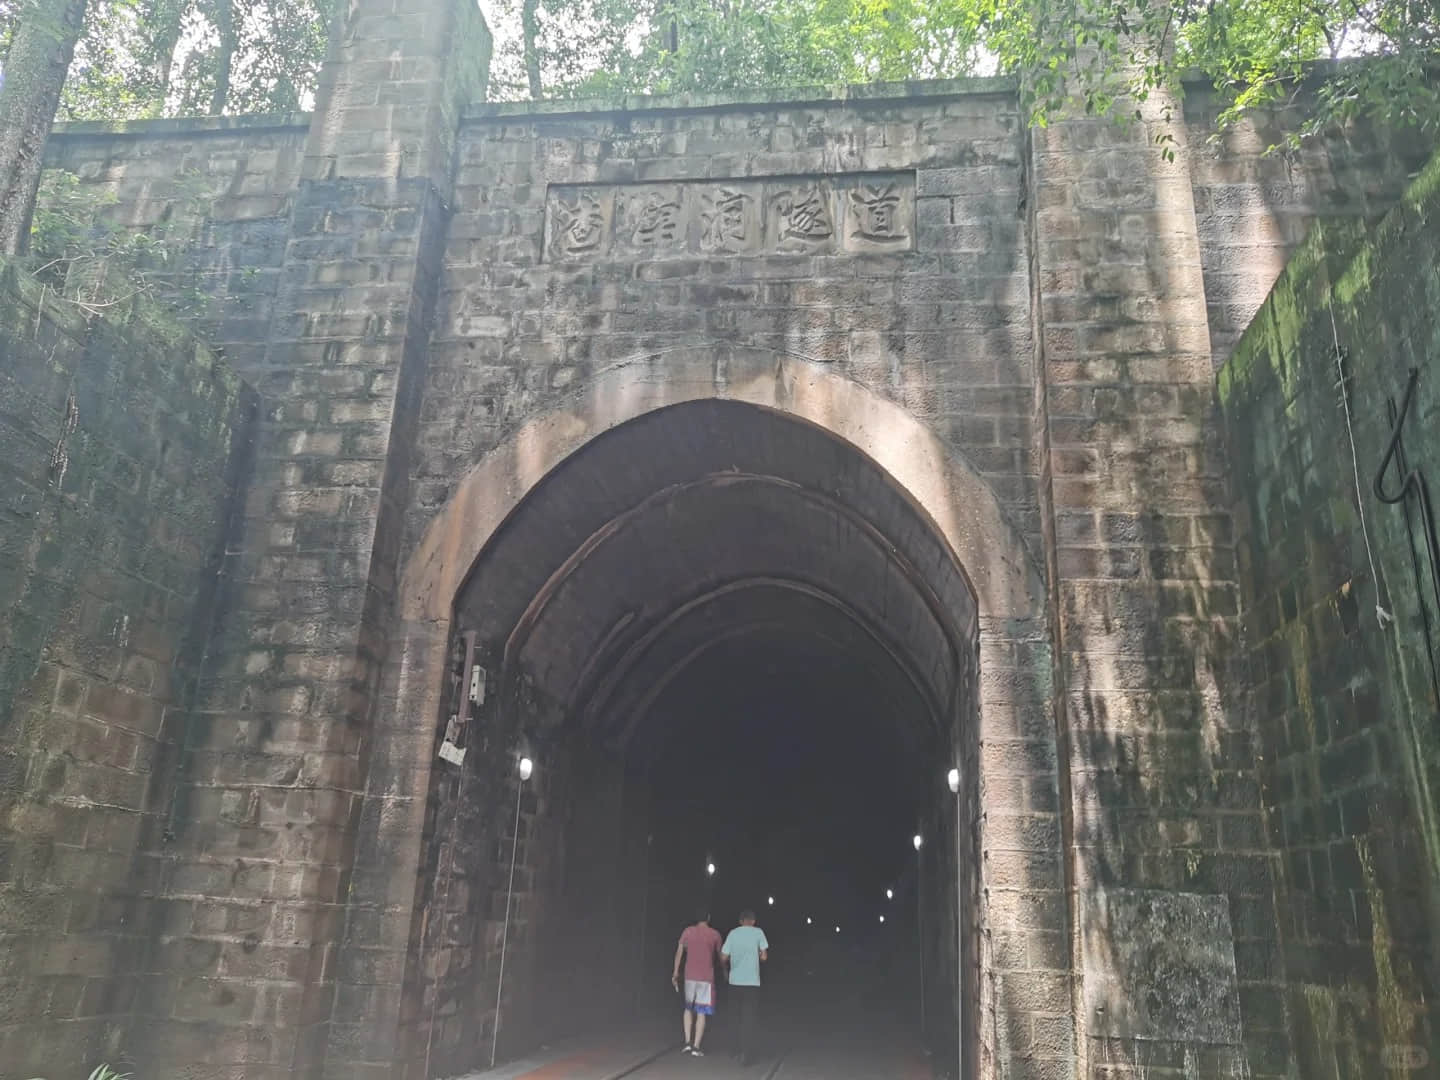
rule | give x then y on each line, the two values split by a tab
743	952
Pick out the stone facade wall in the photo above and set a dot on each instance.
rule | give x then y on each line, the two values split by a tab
123	445
417	289
1345	707
220	187
942	328
1255	198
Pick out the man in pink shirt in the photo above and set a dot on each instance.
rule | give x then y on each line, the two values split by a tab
699	945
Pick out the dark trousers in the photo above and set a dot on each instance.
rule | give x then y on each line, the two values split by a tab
747	1001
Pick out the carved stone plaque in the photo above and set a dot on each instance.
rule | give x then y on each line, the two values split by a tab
856	213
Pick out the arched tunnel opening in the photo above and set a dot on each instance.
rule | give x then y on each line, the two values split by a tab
742	660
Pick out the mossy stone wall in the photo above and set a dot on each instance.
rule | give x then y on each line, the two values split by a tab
1341	630
122	442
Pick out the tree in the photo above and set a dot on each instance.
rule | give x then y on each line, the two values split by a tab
42	45
1086	54
222	13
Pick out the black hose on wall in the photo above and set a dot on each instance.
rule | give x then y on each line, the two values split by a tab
1412	483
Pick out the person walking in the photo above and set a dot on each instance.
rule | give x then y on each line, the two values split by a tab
745	949
699	945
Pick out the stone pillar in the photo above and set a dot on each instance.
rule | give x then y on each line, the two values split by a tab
1167	864
280	746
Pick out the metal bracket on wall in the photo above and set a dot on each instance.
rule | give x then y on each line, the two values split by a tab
1414	491
471	677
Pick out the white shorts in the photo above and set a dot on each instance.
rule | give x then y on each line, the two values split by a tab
700	996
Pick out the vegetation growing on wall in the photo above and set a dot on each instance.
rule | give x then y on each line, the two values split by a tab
86	256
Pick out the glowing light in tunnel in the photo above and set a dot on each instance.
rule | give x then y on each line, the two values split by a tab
772	901
808	920
837	929
882	918
889	894
917	841
710	869
953	779
527	767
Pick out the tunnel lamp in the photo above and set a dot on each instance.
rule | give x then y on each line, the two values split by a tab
953	779
837	929
808	920
772	901
889	894
527	769
710	869
882	918
918	840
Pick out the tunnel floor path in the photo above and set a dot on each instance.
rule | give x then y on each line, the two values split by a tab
802	1040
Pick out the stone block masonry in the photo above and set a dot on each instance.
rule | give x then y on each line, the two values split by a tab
123	448
1345	707
432	295
221	190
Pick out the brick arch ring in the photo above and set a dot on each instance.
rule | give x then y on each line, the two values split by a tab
937	479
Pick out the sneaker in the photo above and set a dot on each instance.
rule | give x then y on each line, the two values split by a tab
695	1051
688	1049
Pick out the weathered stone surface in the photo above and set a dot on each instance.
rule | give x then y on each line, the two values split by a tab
123	446
944	338
812	215
1343	704
1159	965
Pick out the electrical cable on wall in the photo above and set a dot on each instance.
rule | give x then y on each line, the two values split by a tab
1382	616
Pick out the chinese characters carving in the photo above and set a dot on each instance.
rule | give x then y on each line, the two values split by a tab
725	222
802	217
817	216
653	220
875	213
579	226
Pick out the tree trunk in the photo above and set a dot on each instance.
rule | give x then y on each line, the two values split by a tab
225	59
40	55
530	30
166	17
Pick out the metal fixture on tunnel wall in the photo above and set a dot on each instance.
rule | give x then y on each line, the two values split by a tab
527	768
952	781
470	673
919	842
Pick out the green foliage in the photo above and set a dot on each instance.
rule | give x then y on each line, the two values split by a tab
590	47
158	57
163	57
78	247
1085	56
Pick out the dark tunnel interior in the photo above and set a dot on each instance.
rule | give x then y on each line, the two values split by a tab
731	639
770	760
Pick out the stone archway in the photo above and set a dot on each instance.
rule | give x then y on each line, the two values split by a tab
937	485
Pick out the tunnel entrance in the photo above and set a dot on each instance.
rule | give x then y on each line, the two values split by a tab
741	657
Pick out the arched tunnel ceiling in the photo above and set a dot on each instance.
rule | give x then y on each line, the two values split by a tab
833	669
714	520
